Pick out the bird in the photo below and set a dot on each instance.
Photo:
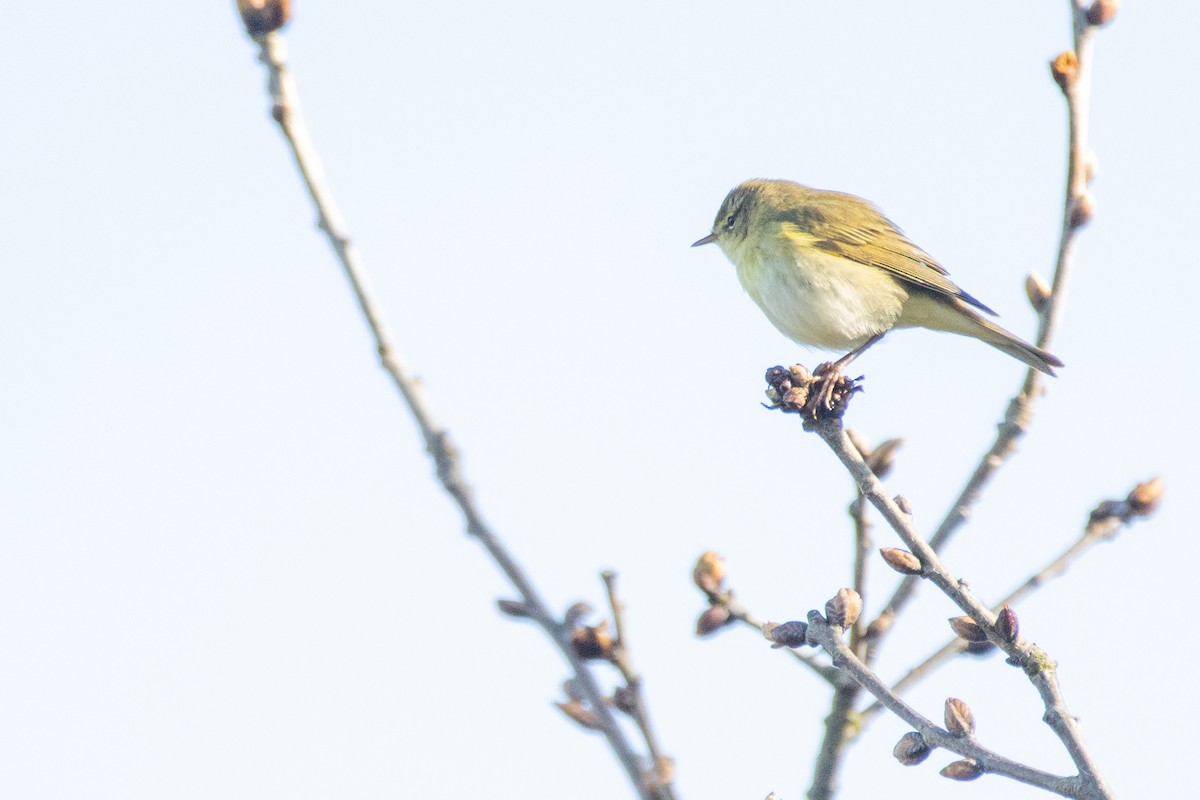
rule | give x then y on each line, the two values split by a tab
829	270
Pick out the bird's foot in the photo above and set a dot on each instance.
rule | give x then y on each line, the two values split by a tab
823	393
833	388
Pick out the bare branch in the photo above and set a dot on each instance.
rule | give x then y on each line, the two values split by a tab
1078	207
1104	523
285	110
633	701
1038	667
709	577
842	723
829	637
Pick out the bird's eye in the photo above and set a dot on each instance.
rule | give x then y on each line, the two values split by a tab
730	220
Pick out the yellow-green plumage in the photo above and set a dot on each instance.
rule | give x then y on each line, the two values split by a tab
829	270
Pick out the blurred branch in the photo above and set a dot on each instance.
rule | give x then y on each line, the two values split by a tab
1036	664
1104	523
631	699
1072	71
841	725
285	110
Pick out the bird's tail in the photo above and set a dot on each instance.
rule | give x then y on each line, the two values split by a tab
954	316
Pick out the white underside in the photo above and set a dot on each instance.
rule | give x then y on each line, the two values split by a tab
821	300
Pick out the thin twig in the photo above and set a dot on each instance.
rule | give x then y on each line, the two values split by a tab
1019	413
286	111
1038	667
841	726
829	637
862	556
842	723
724	598
661	784
1104	523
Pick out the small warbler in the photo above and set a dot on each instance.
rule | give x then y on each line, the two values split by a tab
829	270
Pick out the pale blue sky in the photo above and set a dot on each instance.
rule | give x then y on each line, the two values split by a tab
225	570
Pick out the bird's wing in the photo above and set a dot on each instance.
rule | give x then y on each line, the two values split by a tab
888	249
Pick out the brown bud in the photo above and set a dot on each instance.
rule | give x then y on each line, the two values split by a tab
843	608
659	776
798	374
1106	509
1145	497
959	719
788	634
883	457
712	620
264	16
911	749
593	641
624	699
966	769
1102	12
1082	210
979	648
1038	292
794	398
902	503
709	572
967	629
1065	68
902	561
578	712
513	608
1007	624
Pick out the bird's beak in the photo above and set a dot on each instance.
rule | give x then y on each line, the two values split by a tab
712	237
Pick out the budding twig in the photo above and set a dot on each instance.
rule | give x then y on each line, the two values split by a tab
1104	523
1017	417
1038	667
285	110
659	779
709	577
829	637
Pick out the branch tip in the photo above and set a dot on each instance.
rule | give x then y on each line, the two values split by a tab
264	16
1102	12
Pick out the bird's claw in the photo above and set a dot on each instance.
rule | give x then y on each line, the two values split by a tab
822	393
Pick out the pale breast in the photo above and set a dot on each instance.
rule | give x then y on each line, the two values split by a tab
822	300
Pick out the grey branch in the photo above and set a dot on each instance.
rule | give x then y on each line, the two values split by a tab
285	110
659	779
1078	207
1038	666
830	638
1104	523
